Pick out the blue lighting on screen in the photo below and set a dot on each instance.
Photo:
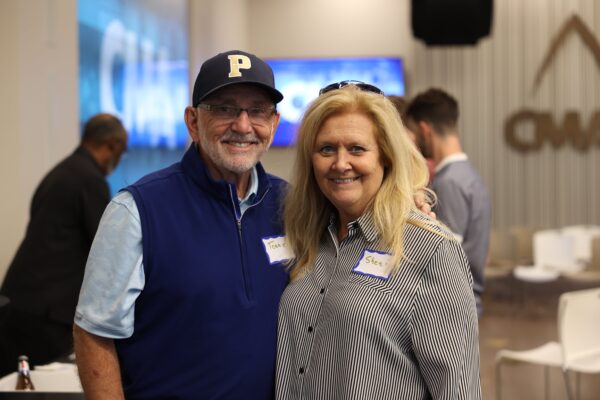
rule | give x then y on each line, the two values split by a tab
300	80
133	63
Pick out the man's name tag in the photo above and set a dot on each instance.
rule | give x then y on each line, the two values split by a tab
374	263
277	249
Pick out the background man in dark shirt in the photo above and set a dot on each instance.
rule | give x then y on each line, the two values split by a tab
45	276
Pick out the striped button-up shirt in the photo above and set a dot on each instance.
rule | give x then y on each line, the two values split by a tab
346	334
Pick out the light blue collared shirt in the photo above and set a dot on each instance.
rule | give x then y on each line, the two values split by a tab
114	273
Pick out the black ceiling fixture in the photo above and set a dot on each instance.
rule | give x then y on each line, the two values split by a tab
451	22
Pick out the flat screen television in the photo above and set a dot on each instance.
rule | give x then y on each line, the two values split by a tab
300	80
133	63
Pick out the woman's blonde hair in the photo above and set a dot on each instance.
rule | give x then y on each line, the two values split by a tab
306	210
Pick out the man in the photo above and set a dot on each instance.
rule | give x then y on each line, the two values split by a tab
400	103
183	280
463	200
45	276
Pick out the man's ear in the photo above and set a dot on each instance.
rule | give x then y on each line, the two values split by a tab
191	116
425	128
273	127
275	122
113	144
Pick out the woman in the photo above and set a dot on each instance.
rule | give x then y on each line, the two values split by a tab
380	303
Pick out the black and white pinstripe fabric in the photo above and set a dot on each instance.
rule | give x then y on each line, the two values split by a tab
344	335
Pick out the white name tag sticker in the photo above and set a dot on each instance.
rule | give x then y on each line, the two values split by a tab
277	249
374	263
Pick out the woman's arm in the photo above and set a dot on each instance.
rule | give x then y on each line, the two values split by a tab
445	327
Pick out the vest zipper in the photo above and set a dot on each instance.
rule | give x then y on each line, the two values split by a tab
238	222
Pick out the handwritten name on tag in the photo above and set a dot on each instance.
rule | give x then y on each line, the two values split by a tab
374	263
277	249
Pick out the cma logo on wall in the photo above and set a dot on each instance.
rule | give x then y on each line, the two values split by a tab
545	128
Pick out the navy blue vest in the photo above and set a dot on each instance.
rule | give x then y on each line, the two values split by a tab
205	323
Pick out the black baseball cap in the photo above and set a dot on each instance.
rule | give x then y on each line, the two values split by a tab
233	67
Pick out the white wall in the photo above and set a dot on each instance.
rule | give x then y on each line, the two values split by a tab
38	103
215	26
312	28
11	212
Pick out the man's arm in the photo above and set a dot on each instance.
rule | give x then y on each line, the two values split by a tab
114	277
98	366
452	207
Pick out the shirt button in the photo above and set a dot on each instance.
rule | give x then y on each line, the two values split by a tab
310	329
322	290
301	371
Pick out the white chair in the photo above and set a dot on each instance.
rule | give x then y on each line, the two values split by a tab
579	333
553	253
535	274
549	251
555	250
591	274
547	355
579	347
583	235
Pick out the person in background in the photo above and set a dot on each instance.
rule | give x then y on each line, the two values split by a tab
463	200
44	278
380	303
400	103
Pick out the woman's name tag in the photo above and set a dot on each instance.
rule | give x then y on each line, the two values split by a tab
374	263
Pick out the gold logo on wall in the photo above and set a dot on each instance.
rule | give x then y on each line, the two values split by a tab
545	128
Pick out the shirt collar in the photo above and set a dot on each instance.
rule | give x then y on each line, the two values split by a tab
452	158
365	223
252	189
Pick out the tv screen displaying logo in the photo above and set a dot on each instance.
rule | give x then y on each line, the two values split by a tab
300	80
134	64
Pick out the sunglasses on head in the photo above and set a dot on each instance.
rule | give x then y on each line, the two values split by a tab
365	87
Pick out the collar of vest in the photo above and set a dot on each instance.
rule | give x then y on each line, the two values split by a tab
194	166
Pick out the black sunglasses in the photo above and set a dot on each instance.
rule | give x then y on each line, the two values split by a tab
365	87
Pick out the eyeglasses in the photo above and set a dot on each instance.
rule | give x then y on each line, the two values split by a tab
256	115
365	87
